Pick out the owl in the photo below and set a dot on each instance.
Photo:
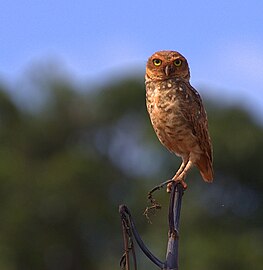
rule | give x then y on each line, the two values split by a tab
177	113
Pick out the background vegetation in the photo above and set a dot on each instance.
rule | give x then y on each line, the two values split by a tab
70	160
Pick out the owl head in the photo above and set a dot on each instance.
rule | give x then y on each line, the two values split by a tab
164	65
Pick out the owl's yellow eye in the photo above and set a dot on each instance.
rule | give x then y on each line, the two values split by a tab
177	62
157	62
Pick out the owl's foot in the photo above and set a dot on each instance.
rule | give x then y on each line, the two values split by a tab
169	185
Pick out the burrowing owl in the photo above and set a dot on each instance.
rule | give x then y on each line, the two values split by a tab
177	113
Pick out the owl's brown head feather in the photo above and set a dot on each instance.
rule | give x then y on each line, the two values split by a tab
164	65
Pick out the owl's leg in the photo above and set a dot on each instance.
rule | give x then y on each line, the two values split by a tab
181	174
180	170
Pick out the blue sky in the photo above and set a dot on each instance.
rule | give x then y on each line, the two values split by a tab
222	40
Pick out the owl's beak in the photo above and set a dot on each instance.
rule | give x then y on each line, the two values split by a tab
168	70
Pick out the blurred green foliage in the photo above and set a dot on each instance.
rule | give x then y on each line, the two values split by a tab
66	166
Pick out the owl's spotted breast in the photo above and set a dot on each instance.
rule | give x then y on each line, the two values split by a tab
166	102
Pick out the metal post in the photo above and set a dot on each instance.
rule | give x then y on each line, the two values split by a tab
130	231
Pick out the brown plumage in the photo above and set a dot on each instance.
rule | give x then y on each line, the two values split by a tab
177	113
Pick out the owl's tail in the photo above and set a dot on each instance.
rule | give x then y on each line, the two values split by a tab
204	164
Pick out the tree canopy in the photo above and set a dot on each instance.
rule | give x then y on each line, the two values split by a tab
67	165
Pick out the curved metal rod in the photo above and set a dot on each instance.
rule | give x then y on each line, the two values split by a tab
128	242
124	209
129	230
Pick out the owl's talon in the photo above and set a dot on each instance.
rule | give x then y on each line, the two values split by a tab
169	185
184	185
